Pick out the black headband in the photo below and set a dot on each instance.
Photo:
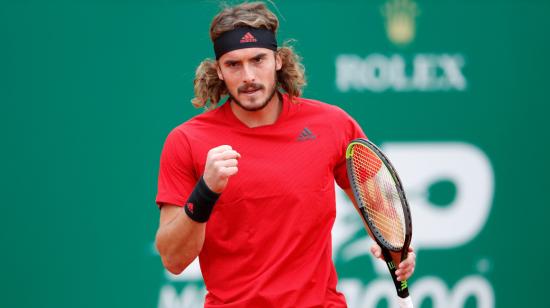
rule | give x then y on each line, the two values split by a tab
244	37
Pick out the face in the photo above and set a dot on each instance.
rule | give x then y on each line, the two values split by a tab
250	75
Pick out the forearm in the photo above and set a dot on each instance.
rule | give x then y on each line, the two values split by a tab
181	232
179	241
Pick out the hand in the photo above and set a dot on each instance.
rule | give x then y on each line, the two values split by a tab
405	268
221	163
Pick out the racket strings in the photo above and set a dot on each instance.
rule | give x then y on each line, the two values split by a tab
389	229
392	197
378	193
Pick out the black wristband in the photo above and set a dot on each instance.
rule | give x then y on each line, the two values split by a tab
201	202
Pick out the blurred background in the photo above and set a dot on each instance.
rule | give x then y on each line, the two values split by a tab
456	93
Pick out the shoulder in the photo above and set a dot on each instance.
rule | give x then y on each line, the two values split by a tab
200	122
322	108
338	119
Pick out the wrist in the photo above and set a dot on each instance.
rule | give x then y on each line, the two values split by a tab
201	202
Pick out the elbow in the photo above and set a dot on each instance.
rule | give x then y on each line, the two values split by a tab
177	255
176	261
175	268
171	262
176	264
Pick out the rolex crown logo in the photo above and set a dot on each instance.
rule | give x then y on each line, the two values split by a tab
400	20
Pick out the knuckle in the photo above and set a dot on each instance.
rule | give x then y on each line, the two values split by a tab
213	157
224	148
223	155
217	166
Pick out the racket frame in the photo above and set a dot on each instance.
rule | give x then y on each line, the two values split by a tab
401	286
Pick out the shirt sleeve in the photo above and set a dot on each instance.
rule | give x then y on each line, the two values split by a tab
177	176
351	130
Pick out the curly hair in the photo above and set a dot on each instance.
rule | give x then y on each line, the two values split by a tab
209	89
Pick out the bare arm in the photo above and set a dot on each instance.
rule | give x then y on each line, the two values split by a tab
179	238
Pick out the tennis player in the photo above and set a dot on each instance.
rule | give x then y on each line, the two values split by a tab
248	186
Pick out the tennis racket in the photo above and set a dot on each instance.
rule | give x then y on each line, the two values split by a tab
379	194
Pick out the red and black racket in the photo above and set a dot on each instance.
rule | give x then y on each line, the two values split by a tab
381	199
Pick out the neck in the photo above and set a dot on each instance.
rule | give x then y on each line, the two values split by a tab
265	116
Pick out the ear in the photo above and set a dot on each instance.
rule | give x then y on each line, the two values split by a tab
219	71
278	61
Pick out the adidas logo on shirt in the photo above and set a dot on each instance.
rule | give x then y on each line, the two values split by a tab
305	135
248	38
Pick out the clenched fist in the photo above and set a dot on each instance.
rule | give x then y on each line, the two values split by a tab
221	163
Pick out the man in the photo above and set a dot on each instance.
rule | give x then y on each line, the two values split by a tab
255	176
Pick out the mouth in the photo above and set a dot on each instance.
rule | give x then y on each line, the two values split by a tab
250	90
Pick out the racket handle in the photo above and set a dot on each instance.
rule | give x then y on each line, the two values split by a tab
405	302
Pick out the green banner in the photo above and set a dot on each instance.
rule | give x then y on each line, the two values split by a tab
454	92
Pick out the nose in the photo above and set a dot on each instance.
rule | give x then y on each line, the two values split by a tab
248	74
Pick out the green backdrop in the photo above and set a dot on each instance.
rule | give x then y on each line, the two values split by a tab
90	89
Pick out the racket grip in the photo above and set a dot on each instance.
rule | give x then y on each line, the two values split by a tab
405	302
401	287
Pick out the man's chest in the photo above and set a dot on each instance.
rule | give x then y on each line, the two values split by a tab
299	159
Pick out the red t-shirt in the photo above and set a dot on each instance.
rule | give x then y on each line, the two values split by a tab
268	241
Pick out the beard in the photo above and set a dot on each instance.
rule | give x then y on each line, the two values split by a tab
255	86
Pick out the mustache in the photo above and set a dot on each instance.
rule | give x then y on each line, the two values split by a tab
250	87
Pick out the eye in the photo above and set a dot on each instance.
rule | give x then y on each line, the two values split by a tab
258	60
232	64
